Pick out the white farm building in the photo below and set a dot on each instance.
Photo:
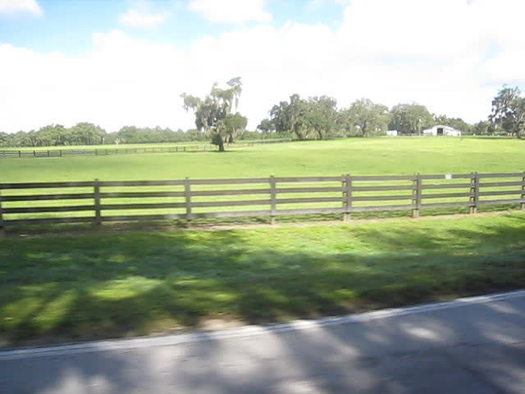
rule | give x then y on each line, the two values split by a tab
440	130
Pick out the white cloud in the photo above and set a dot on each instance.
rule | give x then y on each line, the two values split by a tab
134	18
232	11
13	7
388	59
408	27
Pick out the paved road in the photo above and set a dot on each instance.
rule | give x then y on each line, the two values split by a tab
472	346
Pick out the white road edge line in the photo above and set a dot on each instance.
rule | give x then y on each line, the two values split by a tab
249	331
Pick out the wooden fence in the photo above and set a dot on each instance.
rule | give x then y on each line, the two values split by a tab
110	201
67	152
15	154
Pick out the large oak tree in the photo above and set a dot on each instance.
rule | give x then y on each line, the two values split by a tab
215	113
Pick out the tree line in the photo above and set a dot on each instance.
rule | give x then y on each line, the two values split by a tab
90	134
320	118
218	121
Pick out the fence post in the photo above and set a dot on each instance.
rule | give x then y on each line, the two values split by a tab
474	193
273	199
416	195
187	196
522	205
347	197
2	226
96	191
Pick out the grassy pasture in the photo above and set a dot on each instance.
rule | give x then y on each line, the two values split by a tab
356	156
97	285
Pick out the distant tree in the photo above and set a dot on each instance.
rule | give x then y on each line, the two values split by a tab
130	135
211	111
290	117
368	117
483	128
31	139
410	118
195	135
5	139
312	118
85	133
345	123
52	135
266	126
232	126
21	138
508	111
321	116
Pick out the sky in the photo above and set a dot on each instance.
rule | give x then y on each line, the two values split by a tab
126	62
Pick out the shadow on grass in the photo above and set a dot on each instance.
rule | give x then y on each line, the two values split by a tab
14	231
111	285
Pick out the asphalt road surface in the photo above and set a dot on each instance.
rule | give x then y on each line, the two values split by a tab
467	346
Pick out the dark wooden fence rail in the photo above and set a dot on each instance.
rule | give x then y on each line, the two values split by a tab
66	152
109	201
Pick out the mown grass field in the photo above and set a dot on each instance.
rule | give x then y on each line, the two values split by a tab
98	285
356	156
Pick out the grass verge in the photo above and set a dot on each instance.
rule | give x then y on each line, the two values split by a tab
57	288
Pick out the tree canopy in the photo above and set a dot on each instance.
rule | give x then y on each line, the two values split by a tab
410	118
289	116
314	118
368	117
508	111
214	114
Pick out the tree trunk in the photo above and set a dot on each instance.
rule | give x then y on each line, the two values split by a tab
220	142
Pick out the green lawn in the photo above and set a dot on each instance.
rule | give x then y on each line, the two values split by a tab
356	156
109	284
